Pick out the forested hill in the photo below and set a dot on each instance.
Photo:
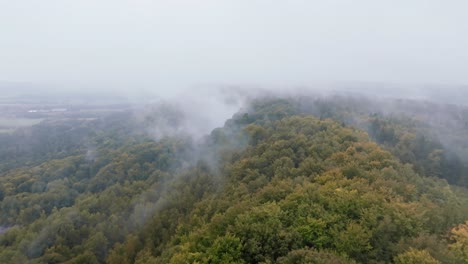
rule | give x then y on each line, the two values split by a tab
286	180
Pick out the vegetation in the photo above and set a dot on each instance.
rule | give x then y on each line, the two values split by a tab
310	180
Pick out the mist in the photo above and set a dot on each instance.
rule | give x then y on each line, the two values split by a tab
128	125
196	64
209	58
164	48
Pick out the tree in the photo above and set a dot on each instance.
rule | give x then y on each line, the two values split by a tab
413	256
459	236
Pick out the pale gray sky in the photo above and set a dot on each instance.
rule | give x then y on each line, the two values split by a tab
166	45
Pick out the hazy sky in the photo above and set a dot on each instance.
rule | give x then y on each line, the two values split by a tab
166	45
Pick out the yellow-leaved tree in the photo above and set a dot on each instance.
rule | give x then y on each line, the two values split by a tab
459	236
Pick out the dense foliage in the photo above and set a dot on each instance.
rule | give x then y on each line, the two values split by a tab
310	180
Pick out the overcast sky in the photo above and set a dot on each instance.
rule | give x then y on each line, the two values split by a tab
167	45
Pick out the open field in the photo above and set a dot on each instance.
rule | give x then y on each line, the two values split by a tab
19	122
9	125
26	111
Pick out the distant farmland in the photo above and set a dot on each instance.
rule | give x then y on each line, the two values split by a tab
8	125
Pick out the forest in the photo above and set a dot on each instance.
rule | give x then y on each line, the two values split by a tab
288	179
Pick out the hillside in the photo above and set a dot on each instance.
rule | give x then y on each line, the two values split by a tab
286	180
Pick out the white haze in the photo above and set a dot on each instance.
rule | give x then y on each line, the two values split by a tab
163	47
182	51
207	57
